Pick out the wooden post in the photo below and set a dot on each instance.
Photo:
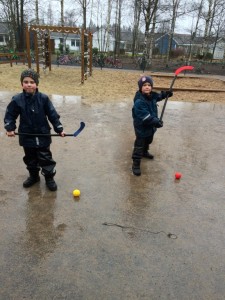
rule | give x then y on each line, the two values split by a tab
82	56
36	51
28	46
49	52
90	51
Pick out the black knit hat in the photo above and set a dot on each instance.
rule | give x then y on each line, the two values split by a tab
143	80
30	73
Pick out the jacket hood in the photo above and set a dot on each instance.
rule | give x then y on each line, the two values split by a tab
139	95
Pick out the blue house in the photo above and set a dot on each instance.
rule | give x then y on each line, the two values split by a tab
179	41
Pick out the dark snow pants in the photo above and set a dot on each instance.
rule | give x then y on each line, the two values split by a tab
141	145
39	158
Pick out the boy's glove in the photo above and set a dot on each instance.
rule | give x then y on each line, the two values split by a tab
169	94
159	124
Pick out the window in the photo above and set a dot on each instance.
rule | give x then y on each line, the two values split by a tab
73	44
1	38
77	43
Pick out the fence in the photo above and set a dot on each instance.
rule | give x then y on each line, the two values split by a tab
10	58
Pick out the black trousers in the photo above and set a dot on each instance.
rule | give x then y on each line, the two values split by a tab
141	145
39	158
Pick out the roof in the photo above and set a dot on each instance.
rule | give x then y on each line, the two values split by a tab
60	35
185	39
4	28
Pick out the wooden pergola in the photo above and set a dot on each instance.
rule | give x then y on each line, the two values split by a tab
42	46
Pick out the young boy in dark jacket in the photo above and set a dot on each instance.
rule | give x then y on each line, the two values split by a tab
145	120
34	109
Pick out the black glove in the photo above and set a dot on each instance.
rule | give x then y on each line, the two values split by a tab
169	94
159	123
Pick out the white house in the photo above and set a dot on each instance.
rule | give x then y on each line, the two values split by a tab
103	40
4	34
219	51
72	40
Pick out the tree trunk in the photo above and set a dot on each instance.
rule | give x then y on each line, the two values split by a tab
13	26
206	31
21	26
108	21
193	35
172	28
151	42
137	13
149	12
37	12
62	24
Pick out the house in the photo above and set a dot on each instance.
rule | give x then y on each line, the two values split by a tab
127	38
179	41
73	41
184	42
103	40
219	51
4	34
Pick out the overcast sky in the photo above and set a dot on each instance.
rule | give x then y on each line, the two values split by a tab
183	24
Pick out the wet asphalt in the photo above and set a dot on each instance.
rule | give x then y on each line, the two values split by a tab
125	237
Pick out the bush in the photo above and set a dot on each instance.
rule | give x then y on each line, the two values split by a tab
61	48
94	51
155	51
176	53
208	55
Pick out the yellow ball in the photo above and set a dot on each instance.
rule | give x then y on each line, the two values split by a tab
76	193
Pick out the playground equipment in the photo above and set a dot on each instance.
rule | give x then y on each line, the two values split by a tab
42	46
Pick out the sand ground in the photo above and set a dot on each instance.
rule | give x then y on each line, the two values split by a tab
114	85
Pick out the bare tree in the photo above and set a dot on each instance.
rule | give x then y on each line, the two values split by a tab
175	7
218	23
149	9
37	12
195	27
50	16
207	17
137	13
8	13
108	22
118	27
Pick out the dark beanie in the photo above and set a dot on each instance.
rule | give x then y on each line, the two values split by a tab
30	73
143	80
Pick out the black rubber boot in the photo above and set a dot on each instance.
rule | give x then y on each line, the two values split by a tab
50	182
32	179
148	155
136	167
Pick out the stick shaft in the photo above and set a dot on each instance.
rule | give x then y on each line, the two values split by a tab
78	131
41	134
184	68
165	102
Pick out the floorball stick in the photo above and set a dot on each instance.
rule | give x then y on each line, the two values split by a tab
78	131
184	68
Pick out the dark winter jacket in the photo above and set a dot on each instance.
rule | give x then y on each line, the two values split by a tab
145	113
34	111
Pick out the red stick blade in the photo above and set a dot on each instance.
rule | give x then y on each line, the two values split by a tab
183	69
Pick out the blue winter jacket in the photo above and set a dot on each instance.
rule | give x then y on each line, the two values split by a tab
34	111
145	113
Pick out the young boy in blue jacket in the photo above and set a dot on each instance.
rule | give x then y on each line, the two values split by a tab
145	120
34	109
